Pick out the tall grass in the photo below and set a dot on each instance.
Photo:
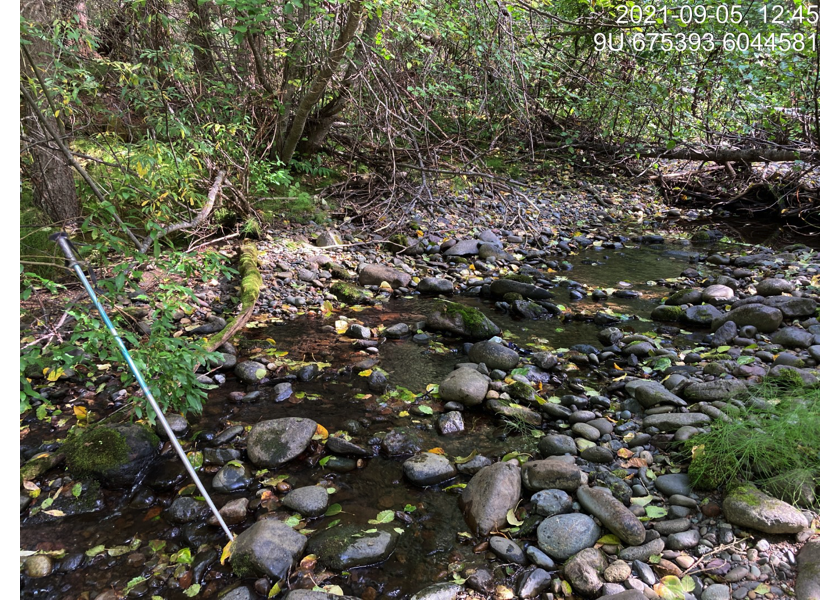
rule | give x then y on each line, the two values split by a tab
776	440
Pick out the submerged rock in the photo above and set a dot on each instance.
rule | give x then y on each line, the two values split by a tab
428	468
269	547
277	441
347	546
116	455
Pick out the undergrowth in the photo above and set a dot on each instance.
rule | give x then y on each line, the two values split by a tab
776	439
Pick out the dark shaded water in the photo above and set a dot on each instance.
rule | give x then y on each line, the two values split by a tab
431	544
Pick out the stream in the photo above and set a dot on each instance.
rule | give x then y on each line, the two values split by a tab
436	543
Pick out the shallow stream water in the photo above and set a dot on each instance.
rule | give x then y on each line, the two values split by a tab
431	544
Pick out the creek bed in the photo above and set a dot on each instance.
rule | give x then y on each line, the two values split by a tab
431	543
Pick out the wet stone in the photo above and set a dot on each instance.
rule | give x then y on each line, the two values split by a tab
339	445
185	509
282	391
507	550
450	423
310	501
471	467
232	478
428	468
277	441
491	492
347	546
228	435
269	547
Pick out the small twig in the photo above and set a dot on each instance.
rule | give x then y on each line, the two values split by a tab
720	548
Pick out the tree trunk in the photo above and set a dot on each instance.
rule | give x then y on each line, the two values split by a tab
319	126
311	98
199	36
53	186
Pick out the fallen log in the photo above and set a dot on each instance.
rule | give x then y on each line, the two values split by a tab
250	285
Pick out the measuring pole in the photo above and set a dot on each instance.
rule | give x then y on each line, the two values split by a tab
61	239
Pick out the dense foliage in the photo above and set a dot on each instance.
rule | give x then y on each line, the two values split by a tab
153	123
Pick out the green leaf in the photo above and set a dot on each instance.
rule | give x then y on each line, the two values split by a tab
385	516
655	512
157	545
183	556
610	539
193	590
409	508
426	410
136	581
333	510
77	490
293	521
95	550
457	486
642	501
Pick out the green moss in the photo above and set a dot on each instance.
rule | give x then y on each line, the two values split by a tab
520	277
512	297
349	293
338	271
665	312
701	236
620	473
397	242
745	494
473	318
521	391
251	284
96	450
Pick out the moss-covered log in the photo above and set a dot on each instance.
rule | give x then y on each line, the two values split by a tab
251	283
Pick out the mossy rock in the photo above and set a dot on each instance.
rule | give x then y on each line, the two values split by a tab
397	243
339	272
351	294
512	297
521	391
462	320
664	312
115	455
